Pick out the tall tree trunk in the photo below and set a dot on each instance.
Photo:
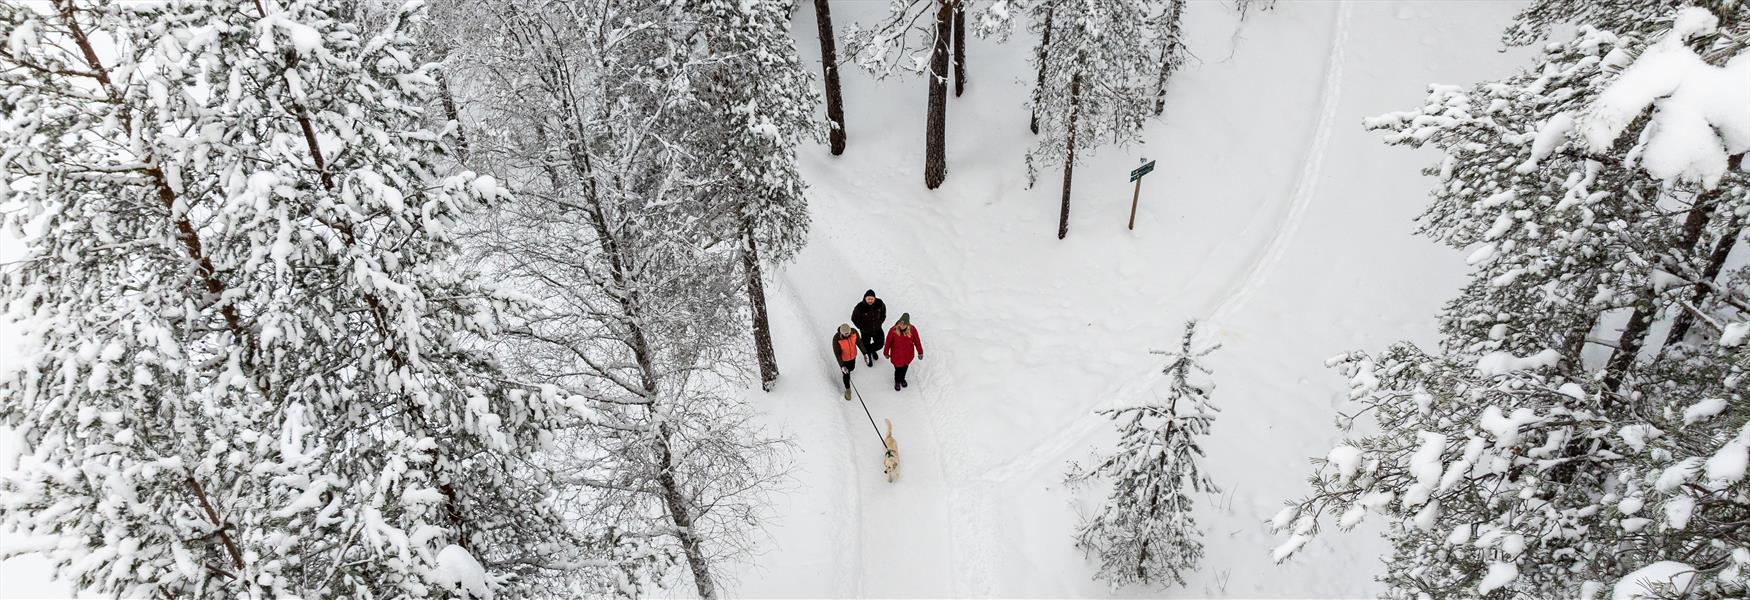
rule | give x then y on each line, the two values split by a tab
935	152
1044	53
1069	157
829	64
959	47
1716	262
454	115
682	517
756	293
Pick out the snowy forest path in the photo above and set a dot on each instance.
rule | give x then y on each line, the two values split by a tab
1271	215
902	529
1281	224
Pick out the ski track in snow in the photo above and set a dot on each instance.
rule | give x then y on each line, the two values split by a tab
1284	224
1304	187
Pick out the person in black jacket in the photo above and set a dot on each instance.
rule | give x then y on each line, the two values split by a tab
869	316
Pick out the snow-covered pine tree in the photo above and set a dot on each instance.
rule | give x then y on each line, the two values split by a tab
751	106
896	41
1170	38
1094	84
829	66
1041	56
594	122
1245	7
1514	461
252	366
1144	532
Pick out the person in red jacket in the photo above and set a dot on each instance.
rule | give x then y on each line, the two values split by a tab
844	350
902	342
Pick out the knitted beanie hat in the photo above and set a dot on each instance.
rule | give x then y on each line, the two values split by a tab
844	329
868	293
905	318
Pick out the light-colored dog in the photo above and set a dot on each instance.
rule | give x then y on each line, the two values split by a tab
890	461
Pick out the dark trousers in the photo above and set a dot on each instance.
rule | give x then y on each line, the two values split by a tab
872	342
899	375
846	366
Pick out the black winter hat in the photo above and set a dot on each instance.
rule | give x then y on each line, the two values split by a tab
868	293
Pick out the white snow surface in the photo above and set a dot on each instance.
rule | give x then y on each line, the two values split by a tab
1637	584
1271	213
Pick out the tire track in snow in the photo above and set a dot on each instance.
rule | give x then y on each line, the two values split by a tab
1235	294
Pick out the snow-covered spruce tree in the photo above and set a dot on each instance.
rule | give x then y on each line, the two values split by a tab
751	106
623	247
252	366
1144	532
1092	87
897	41
1514	462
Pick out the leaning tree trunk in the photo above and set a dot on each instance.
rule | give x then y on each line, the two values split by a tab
935	153
1634	335
676	502
959	48
1716	262
756	293
829	63
1069	156
1044	53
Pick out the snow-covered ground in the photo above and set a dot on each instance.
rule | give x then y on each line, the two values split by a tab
1272	214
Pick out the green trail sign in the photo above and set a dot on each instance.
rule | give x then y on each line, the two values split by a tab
1146	168
1136	174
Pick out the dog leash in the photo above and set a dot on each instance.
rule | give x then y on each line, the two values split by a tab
872	425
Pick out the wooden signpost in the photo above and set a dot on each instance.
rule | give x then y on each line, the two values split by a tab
1136	174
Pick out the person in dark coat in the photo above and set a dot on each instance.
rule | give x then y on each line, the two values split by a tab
903	344
844	350
869	316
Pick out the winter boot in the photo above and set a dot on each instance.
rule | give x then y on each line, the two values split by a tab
905	384
869	359
847	394
896	386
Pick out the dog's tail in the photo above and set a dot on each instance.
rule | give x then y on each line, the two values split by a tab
889	423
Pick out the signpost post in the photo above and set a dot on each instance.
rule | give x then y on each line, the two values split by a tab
1136	176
